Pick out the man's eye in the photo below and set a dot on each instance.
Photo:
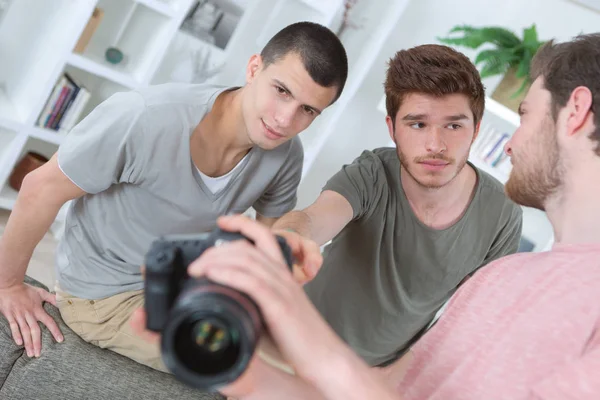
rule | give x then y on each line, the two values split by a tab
418	125
280	90
454	126
308	110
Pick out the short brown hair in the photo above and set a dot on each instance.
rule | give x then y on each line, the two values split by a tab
321	51
566	66
435	70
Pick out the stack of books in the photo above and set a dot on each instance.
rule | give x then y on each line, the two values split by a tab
64	106
489	147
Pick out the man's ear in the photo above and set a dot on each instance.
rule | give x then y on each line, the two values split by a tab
579	109
254	66
476	131
390	125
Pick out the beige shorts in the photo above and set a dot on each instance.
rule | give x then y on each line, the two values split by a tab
105	323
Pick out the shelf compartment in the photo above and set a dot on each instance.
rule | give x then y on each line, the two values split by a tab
44	30
46	135
95	65
137	30
99	88
8	195
187	54
161	7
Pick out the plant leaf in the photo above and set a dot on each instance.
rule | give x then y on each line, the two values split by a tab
502	56
475	37
493	67
524	65
501	37
523	86
530	37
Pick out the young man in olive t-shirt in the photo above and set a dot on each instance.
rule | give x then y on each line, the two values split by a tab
410	223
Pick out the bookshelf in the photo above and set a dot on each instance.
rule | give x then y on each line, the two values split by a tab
39	39
497	126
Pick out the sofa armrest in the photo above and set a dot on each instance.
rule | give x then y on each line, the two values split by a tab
75	369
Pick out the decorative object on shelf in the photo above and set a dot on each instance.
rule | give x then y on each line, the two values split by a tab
113	55
89	30
28	163
213	21
592	5
195	67
346	21
202	20
511	56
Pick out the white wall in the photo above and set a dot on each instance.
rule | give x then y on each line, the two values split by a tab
363	127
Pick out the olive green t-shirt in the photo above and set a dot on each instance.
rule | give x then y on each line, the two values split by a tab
386	274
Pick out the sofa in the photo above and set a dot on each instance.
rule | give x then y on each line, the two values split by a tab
78	370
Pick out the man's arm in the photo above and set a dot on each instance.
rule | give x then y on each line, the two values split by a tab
266	221
322	220
42	194
319	357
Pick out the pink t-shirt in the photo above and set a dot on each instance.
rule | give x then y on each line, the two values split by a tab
525	327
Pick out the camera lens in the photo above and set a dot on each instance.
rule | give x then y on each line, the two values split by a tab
211	335
207	345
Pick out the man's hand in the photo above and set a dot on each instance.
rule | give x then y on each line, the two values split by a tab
306	252
243	386
21	305
259	270
301	335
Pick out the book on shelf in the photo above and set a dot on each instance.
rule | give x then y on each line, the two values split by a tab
89	30
64	106
489	148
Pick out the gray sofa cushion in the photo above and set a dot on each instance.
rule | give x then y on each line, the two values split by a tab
75	369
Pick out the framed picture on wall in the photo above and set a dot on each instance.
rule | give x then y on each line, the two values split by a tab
593	5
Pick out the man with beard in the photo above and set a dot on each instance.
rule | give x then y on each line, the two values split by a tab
410	223
526	327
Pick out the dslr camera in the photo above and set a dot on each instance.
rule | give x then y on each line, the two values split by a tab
209	331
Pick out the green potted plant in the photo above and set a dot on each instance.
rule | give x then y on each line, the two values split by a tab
508	55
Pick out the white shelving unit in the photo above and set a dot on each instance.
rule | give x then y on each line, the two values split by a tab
37	39
536	226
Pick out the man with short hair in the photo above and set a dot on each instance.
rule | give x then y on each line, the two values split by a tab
410	223
525	327
164	159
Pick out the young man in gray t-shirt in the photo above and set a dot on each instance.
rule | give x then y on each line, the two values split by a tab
162	160
410	223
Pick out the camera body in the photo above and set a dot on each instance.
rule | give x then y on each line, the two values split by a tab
209	331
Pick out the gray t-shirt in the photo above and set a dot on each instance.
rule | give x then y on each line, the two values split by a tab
132	155
386	274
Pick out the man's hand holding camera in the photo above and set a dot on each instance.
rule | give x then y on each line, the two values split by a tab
260	271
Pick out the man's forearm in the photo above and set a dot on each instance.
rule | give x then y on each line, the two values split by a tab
298	221
29	221
350	378
274	384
